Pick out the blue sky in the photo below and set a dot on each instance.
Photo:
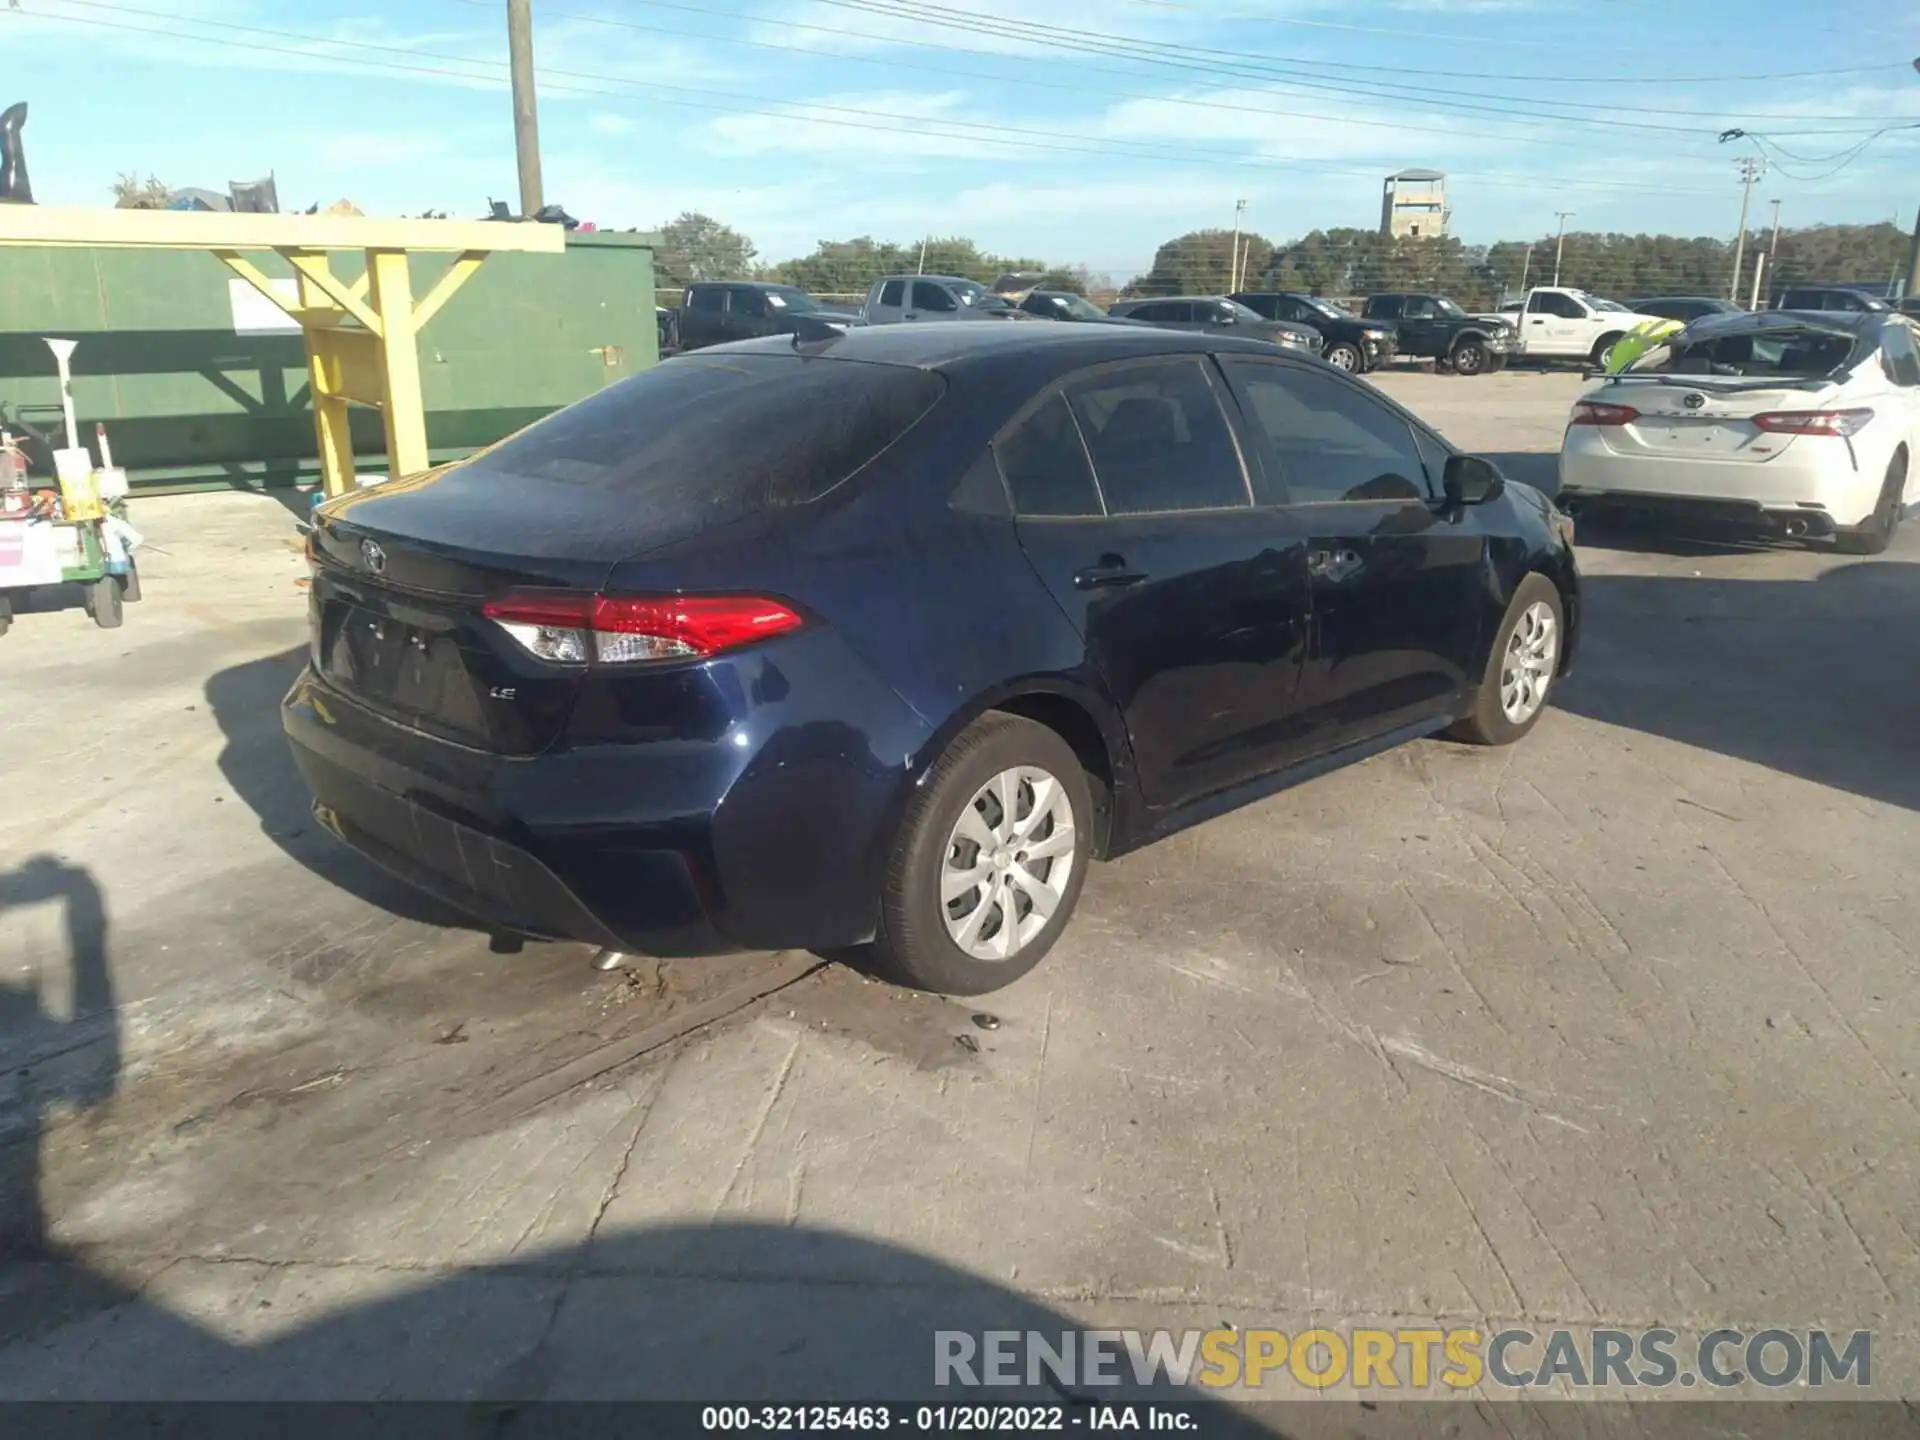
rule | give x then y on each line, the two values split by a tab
1134	120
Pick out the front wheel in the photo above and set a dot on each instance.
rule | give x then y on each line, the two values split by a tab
1470	358
1603	350
1524	660
1877	533
1345	356
989	860
103	602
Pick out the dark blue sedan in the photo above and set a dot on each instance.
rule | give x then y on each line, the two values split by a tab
880	637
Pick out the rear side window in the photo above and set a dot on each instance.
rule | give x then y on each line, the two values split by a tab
1903	363
893	292
1046	465
1159	439
701	441
708	299
1384	307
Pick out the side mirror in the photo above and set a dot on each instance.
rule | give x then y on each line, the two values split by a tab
1470	480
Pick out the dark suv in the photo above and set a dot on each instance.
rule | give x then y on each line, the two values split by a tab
1828	297
1351	344
1217	315
713	312
1432	326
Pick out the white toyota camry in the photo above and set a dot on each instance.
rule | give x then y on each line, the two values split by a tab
1797	422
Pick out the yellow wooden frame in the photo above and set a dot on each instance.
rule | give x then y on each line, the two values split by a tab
362	339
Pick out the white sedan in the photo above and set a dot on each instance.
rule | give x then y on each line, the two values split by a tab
1794	422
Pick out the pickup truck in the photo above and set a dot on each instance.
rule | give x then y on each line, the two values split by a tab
1558	323
1433	327
713	312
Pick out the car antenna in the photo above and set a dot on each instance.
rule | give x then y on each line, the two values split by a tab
808	331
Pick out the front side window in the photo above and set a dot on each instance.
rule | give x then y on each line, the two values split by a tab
1903	361
1159	439
1419	307
1326	440
744	301
927	295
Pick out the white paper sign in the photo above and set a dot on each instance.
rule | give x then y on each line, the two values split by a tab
254	314
29	554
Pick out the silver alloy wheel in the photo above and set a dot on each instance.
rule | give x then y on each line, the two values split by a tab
1527	669
1007	863
1343	357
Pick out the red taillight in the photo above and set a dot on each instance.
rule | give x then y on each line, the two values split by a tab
1813	422
615	629
1595	412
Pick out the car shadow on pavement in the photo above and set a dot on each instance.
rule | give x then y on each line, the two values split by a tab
1814	678
245	700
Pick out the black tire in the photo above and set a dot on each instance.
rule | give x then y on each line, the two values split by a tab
103	602
130	584
1603	350
1345	355
913	944
6	614
1487	722
1873	537
1470	357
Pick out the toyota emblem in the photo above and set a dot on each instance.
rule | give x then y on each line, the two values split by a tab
375	557
1694	400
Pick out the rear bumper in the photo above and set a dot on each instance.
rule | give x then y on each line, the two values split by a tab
1809	488
765	830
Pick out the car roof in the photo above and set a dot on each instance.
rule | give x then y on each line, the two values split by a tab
747	284
943	279
1156	299
1690	299
1734	322
942	346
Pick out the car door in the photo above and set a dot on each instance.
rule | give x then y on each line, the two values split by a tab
1556	324
1133	504
1398	581
886	306
703	319
1902	364
1420	326
932	301
747	313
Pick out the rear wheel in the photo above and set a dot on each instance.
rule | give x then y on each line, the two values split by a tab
1344	355
1470	357
1520	668
6	614
989	860
103	602
1877	533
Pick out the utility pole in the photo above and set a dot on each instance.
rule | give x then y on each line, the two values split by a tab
526	112
1752	167
1559	242
921	268
1526	268
1233	263
1913	251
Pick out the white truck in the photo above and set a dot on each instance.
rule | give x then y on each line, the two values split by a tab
1560	323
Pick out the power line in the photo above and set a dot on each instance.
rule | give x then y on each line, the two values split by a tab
1228	62
1027	80
802	112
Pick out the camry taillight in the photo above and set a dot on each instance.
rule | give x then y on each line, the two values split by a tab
569	627
1813	422
1595	412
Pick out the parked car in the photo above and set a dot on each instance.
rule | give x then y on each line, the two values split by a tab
1066	305
1216	315
1347	342
713	312
880	640
1829	297
896	298
1802	423
1686	308
1433	327
1558	322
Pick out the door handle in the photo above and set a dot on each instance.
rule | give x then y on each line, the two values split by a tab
1110	572
1334	565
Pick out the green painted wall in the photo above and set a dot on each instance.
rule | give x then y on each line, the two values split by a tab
188	402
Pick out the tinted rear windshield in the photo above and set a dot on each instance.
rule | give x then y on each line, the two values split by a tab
1789	354
702	440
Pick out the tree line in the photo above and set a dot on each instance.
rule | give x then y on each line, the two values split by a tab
1337	263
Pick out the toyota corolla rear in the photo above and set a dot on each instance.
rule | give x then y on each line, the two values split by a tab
580	685
1752	419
